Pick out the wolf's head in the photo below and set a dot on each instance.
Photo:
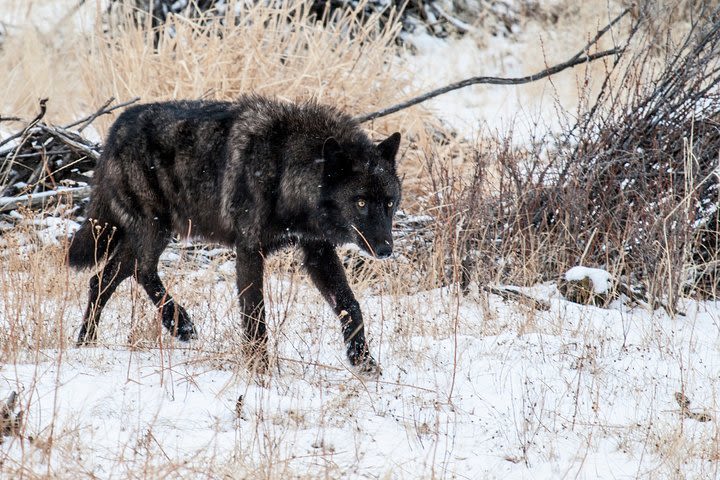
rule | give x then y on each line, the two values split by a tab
361	193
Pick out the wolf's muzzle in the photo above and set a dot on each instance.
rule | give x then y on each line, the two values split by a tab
383	249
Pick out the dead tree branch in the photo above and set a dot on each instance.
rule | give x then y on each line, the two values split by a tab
104	110
579	58
38	199
514	295
33	122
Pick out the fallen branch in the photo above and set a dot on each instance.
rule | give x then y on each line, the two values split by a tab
511	294
581	57
37	199
66	137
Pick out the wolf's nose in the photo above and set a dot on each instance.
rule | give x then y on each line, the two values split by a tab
383	250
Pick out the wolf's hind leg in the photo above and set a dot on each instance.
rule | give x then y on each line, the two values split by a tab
102	286
174	316
328	275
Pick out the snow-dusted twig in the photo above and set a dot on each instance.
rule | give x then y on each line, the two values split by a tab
510	294
36	199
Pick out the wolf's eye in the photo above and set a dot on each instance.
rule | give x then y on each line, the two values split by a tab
361	203
390	204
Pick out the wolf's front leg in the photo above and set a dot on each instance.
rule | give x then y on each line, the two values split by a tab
249	267
328	275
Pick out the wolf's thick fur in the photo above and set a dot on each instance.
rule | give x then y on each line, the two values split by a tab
256	174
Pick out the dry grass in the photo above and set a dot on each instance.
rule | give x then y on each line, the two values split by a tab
275	50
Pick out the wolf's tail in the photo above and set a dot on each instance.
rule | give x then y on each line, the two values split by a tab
95	241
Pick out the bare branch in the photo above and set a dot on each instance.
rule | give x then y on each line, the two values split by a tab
38	117
102	111
511	294
36	199
581	57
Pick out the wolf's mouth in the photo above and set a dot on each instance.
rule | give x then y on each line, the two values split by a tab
381	250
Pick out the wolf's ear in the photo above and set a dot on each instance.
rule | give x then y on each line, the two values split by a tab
335	160
389	147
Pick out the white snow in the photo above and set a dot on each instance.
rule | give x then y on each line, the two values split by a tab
50	16
599	278
469	390
438	62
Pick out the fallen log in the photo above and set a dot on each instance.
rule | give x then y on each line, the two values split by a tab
34	200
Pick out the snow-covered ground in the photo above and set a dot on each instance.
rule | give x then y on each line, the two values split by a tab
472	387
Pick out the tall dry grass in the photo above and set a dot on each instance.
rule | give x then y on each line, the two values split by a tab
276	49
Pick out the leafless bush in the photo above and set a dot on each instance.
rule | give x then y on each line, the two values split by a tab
632	186
643	166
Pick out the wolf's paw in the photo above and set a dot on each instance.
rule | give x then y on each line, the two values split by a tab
364	362
177	321
186	332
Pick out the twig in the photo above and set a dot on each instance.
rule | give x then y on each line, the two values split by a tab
102	111
35	199
92	117
509	294
486	81
581	57
601	32
33	122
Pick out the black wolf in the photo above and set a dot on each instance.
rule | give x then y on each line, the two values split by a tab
257	174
